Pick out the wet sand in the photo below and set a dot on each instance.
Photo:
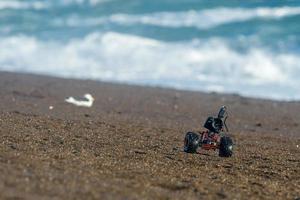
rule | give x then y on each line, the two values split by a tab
129	144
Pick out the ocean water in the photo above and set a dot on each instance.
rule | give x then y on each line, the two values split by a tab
251	48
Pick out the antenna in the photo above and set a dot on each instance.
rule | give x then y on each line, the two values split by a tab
223	115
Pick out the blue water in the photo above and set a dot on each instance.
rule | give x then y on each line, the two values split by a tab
251	48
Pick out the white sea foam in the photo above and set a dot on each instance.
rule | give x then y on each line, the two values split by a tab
205	18
202	19
91	2
13	4
38	5
210	65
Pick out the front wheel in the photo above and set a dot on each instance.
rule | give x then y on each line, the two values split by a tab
191	142
226	147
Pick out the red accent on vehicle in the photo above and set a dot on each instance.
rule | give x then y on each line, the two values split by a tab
213	140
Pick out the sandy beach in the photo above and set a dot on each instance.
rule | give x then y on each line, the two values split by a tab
129	144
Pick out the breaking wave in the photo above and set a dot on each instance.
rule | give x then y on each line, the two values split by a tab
209	65
12	4
38	5
205	18
202	19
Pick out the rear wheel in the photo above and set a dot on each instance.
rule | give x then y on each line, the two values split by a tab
226	147
191	142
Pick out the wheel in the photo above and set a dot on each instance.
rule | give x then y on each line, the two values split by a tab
226	147
191	142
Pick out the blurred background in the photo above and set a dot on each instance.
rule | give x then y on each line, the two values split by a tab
250	48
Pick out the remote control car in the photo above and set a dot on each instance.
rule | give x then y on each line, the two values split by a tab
214	138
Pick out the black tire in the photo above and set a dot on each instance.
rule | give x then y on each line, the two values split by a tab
226	147
191	142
